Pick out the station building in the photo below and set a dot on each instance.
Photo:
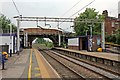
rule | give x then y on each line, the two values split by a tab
8	42
111	23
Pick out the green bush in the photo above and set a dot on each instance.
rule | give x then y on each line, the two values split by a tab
107	38
115	38
118	39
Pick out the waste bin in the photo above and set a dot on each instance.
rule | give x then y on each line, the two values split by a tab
99	49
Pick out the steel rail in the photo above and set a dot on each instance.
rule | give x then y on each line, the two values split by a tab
91	64
81	77
106	77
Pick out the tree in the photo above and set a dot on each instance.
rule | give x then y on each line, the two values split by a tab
40	40
5	24
80	28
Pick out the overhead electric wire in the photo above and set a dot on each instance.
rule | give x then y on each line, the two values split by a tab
114	8
71	8
16	7
80	10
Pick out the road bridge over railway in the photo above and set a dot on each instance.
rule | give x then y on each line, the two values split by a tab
29	34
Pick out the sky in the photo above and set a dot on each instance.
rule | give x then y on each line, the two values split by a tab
54	8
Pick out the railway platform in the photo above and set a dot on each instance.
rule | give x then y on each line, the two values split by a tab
28	64
101	57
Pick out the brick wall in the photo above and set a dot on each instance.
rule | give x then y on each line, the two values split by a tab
73	47
111	23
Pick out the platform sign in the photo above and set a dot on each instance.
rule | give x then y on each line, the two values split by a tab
90	44
98	41
73	42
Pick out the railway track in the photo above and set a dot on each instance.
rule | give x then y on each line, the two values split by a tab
101	66
68	72
81	69
95	69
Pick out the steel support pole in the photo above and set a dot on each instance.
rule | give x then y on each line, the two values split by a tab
18	37
91	32
26	40
59	40
11	40
103	36
10	31
91	37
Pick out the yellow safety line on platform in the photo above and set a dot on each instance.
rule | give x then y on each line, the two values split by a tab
37	68
36	75
30	66
43	71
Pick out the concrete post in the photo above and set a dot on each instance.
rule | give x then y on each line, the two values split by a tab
103	36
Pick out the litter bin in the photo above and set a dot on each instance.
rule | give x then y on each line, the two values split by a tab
99	49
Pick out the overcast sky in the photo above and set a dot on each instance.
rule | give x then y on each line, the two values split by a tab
54	8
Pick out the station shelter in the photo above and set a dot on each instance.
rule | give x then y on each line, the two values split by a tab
84	43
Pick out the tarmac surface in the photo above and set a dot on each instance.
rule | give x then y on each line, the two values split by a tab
28	64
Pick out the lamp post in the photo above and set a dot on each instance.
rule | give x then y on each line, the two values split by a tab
10	40
90	40
103	35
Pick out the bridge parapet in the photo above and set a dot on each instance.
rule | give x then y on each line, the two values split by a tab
37	31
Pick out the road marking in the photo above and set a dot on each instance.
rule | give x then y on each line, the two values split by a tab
30	66
37	75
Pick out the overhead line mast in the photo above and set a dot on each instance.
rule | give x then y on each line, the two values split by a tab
18	26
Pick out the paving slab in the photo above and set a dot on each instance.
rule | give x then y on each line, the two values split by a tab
15	65
29	64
